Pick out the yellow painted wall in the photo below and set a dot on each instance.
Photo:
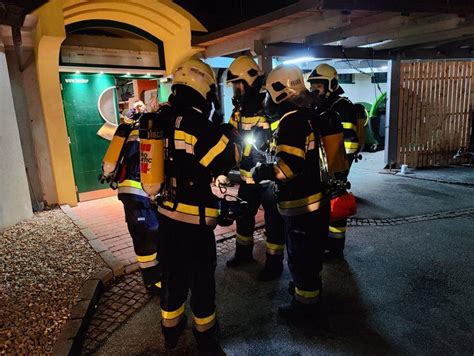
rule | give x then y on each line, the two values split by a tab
164	20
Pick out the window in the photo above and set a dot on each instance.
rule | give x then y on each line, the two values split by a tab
346	79
379	78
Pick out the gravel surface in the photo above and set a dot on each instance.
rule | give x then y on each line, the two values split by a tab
43	264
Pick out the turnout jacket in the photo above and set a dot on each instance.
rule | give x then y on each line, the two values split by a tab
197	151
298	159
128	179
344	107
256	127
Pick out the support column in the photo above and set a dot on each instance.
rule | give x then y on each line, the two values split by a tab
265	59
15	201
391	123
50	33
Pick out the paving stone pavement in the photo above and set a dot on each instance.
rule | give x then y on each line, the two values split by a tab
106	221
123	297
411	219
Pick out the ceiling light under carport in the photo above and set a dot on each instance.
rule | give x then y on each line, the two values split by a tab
300	60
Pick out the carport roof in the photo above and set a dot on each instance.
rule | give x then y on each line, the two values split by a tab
352	29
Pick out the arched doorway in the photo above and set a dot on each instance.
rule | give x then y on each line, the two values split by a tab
161	19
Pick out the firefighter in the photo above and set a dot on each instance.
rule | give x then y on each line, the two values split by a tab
254	128
140	214
325	83
302	201
196	150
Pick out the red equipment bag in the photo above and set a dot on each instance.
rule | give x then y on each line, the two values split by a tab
343	207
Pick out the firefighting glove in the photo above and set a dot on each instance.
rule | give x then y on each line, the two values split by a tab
264	171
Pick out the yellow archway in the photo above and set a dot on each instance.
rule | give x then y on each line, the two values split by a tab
160	18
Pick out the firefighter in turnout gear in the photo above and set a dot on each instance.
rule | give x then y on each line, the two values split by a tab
140	214
325	83
302	200
196	150
254	128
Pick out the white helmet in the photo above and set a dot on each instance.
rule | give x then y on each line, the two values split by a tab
195	74
285	82
326	74
244	68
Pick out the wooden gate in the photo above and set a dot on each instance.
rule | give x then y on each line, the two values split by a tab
434	117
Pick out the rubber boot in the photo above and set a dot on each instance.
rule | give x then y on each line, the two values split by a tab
273	268
243	255
334	248
152	279
172	334
208	341
300	313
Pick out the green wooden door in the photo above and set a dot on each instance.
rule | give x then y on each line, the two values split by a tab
81	94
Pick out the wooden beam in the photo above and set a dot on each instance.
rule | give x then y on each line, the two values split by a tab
391	123
300	50
297	50
450	42
231	46
358	27
430	37
258	21
433	6
301	28
412	27
433	54
460	42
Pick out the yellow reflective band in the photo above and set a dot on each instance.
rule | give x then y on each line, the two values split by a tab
147	258
351	145
310	138
244	238
130	183
337	229
158	284
285	169
275	247
307	294
172	314
245	173
133	133
192	209
274	125
248	148
301	202
295	151
204	321
349	126
252	119
183	136
214	151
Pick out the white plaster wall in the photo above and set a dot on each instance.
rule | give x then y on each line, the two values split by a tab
15	204
363	90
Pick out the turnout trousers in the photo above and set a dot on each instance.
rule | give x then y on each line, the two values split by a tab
142	223
336	238
188	259
256	194
304	236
